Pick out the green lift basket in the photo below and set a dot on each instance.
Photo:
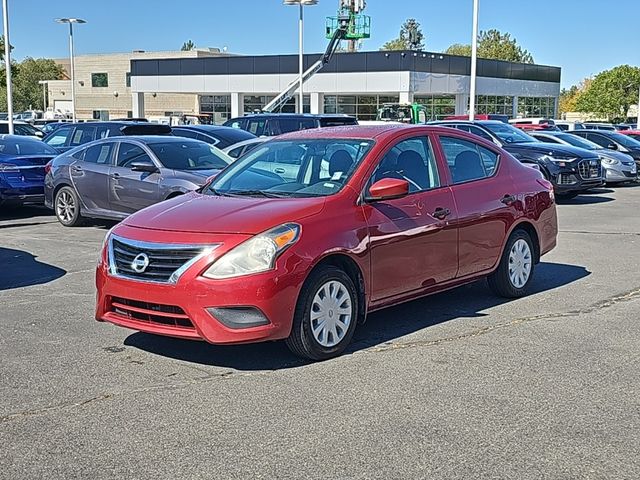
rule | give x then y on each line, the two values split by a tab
359	26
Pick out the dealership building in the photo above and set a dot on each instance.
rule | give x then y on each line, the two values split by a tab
213	82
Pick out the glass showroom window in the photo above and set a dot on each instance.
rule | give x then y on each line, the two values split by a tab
363	107
492	104
537	107
99	79
218	106
437	106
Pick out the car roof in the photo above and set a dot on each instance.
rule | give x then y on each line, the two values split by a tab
204	128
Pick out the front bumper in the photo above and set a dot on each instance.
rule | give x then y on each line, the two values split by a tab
190	308
620	173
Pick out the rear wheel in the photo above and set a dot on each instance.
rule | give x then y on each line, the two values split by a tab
515	271
326	315
67	207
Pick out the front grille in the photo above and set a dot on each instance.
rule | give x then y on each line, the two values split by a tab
588	170
153	313
162	260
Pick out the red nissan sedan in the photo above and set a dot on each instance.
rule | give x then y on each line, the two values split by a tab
311	231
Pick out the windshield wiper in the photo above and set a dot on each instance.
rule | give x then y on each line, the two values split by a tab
252	193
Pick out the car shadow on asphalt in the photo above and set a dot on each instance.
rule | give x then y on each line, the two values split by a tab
469	301
24	212
21	269
585	200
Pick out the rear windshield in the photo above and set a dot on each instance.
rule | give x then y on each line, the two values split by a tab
26	146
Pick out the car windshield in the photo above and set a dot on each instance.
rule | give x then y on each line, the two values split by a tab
508	134
26	146
301	168
578	141
189	155
624	140
25	129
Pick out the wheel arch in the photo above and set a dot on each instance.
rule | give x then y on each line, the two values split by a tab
346	263
531	230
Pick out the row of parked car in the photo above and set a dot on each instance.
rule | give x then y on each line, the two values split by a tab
112	169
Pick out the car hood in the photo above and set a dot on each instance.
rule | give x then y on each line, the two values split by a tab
551	149
199	213
621	157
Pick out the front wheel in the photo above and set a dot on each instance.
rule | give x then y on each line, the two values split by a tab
67	207
515	271
326	315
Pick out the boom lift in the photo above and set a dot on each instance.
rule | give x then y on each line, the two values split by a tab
347	25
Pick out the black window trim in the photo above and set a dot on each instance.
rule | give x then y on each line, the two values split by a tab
460	137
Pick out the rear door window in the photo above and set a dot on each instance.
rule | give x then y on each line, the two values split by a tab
256	126
599	139
83	134
468	161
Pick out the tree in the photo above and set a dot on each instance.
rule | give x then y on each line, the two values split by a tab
27	92
568	101
188	45
2	48
410	37
495	45
611	93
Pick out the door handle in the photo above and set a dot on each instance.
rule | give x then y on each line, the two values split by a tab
115	175
76	169
508	199
441	213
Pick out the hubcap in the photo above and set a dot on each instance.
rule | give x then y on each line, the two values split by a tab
519	263
65	207
331	313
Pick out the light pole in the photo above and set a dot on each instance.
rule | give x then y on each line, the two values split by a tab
7	65
302	4
71	21
474	62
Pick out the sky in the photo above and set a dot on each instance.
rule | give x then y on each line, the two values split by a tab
583	37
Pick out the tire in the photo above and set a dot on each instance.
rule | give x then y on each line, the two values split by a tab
509	284
67	207
333	339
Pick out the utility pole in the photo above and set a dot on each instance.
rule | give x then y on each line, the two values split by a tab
7	65
474	62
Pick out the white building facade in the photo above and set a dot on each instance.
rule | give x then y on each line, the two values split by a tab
352	83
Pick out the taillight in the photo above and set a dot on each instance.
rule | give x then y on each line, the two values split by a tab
47	167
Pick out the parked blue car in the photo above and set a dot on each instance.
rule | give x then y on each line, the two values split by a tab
22	169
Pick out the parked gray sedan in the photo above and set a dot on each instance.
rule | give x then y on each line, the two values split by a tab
115	177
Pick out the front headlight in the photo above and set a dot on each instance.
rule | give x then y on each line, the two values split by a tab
609	161
258	254
102	253
561	159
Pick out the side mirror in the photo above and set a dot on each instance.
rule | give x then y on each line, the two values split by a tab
387	189
143	166
612	146
40	134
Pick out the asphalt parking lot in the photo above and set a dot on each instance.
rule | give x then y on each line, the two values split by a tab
461	385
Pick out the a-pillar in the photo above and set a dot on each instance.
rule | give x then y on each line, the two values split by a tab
237	108
317	100
137	104
462	104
